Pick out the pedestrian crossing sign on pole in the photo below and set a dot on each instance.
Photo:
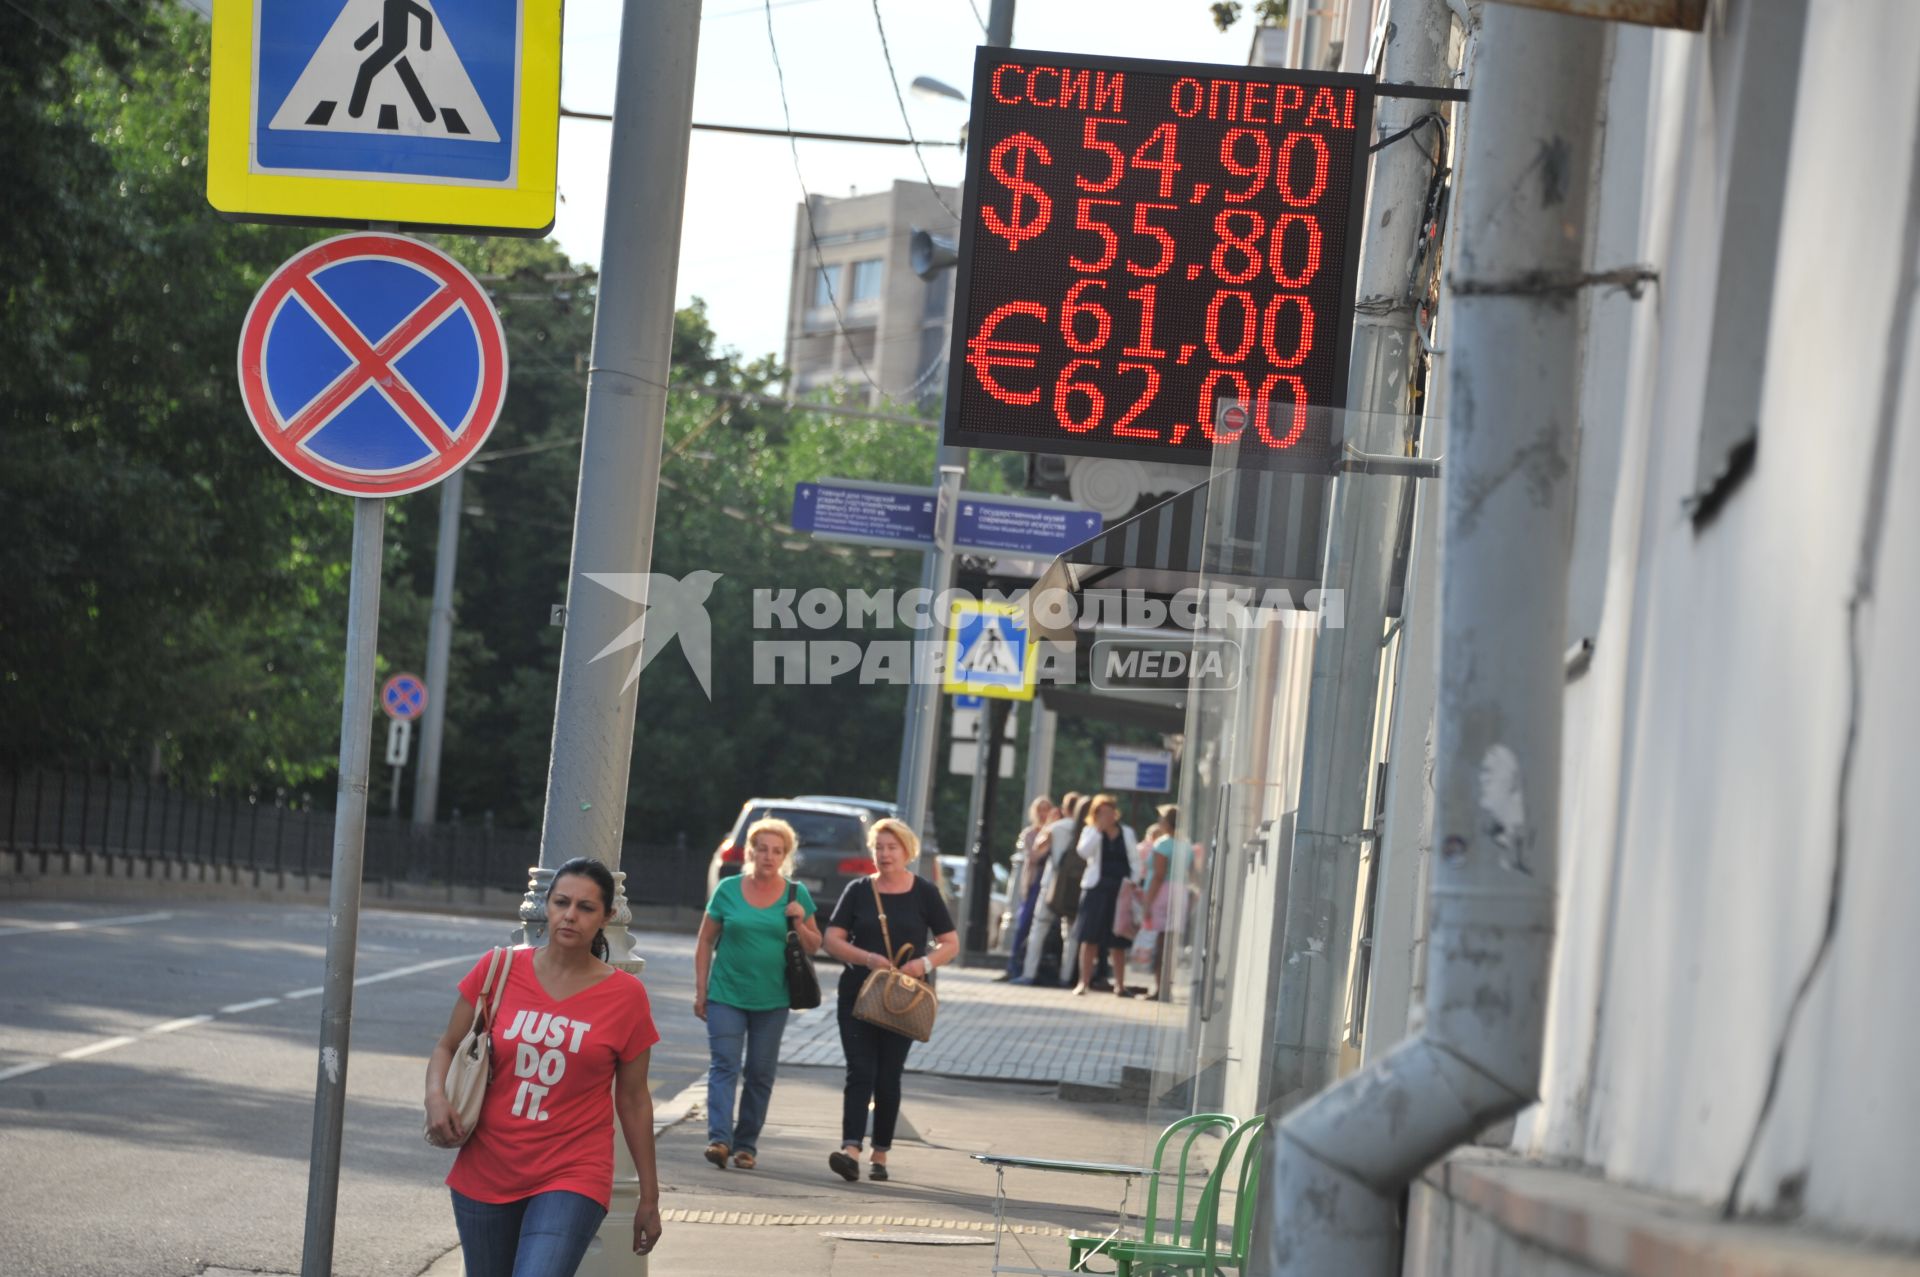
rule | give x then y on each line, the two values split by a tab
989	652
437	114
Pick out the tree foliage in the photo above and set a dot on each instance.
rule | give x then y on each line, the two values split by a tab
172	598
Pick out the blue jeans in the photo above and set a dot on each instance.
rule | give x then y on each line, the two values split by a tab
540	1236
732	1034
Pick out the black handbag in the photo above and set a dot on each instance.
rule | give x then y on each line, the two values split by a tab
803	986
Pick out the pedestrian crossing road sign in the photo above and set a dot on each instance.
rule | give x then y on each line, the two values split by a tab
989	652
372	365
427	113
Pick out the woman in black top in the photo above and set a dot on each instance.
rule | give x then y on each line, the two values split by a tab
1108	848
923	938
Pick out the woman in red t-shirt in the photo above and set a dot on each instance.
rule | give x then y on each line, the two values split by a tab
569	1049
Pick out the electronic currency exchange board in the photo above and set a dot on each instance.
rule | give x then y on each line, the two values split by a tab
1157	258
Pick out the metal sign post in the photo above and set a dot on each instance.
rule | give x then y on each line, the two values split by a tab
344	359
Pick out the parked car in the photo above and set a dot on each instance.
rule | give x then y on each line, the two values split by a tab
953	871
873	805
832	849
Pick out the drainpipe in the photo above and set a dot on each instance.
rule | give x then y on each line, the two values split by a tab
1342	1160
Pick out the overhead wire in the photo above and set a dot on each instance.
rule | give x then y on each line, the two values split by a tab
893	78
806	204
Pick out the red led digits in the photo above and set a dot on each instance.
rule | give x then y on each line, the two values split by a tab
1269	331
1123	425
1116	158
1067	387
1245	326
1109	238
1158	234
1247	246
1232	146
1073	308
1281	250
1148	297
1283	170
1164	138
1203	256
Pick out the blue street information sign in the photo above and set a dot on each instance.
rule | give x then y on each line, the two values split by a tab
1130	767
865	513
438	114
1036	529
896	515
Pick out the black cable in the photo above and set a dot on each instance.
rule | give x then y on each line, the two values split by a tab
1429	118
894	77
806	198
976	16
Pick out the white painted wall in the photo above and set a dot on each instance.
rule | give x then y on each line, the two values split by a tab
1704	746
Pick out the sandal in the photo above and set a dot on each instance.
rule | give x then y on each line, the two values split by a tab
717	1154
845	1167
743	1160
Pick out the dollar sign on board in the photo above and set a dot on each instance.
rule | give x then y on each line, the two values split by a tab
1018	226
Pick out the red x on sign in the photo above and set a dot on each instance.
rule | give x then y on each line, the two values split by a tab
373	364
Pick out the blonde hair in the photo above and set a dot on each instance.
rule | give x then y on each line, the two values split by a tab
898	828
780	828
1099	799
1037	806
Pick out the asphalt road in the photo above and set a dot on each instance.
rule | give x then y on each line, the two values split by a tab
157	1068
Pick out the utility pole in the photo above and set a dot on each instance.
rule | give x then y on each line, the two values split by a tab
1307	964
986	775
619	491
426	781
920	764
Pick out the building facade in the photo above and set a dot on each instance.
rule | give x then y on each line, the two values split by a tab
1726	1081
857	315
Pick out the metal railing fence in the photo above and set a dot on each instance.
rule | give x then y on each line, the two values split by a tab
116	823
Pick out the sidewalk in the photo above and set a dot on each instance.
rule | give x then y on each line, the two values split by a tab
794	1215
1001	1031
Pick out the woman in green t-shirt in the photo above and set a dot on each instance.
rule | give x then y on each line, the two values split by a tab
740	987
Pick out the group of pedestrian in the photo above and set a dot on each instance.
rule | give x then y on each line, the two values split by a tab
567	1037
1087	887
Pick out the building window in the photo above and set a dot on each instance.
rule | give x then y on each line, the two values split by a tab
866	280
1756	60
823	287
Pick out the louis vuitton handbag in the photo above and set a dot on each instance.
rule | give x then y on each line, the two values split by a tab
894	1000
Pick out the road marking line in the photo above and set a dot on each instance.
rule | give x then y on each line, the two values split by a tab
95	1048
254	1005
236	1008
417	967
186	1022
26	926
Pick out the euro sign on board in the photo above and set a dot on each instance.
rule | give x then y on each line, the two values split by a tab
1018	226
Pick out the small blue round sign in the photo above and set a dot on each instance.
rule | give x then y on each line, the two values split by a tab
404	697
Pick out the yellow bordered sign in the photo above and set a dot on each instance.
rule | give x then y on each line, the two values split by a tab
424	113
989	651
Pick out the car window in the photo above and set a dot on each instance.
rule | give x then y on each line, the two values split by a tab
821	830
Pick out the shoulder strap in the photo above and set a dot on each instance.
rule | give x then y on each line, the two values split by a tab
503	959
885	937
793	891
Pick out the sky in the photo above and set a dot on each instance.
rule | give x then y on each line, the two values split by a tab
736	243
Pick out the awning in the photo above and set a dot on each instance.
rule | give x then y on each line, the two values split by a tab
1269	533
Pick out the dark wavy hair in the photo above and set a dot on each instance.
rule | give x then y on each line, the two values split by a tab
588	867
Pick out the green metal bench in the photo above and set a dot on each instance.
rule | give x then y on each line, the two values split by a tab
1175	1177
1202	1252
1180	1136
